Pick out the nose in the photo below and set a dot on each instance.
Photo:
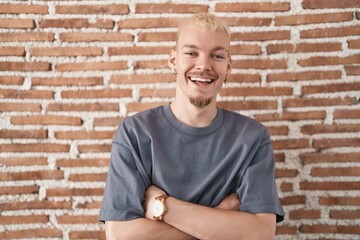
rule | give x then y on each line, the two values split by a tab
203	63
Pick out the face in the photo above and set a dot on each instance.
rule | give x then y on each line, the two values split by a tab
202	62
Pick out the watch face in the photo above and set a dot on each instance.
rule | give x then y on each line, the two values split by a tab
157	208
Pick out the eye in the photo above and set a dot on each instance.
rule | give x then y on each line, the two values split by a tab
218	56
190	53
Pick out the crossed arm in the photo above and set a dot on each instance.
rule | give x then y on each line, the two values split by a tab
185	220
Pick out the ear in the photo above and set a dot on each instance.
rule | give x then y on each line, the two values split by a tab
229	66
172	60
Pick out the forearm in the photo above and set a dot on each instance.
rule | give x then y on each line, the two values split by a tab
209	223
142	228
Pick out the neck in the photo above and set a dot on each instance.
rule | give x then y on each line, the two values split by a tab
193	116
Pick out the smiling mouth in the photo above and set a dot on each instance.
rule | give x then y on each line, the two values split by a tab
201	80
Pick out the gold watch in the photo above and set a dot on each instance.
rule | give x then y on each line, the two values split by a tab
158	207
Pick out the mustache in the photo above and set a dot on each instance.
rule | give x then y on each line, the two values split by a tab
202	74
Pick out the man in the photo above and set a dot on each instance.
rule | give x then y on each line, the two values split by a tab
190	170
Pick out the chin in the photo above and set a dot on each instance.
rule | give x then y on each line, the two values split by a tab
200	102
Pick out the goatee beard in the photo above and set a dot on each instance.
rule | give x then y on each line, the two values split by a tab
200	102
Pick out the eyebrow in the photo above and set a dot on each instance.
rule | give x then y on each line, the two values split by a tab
218	48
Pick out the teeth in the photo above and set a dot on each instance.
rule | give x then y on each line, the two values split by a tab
200	79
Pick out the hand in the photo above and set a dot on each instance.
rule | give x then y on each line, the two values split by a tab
151	193
230	202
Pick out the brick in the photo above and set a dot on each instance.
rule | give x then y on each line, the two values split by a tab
37	134
91	66
84	134
310	158
304	76
316	102
105	93
19	190
71	192
248	105
303	47
260	64
321	128
26	94
339	201
286	230
354	44
247	21
20	107
96	37
156	36
116	9
293	200
35	204
77	219
83	107
6	220
66	51
147	50
346	113
279	157
291	116
94	148
243	49
87	235
331	32
12	51
329	186
352	70
25	66
171	8
345	214
63	81
46	120
286	173
319	61
336	142
241	78
291	144
102	162
286	187
27	37
11	80
253	7
304	214
32	233
335	171
31	175
23	161
303	19
76	23
107	121
278	130
141	78
148	23
89	205
88	177
261	35
138	107
319	228
35	147
256	91
17	23
330	4
155	64
161	93
23	9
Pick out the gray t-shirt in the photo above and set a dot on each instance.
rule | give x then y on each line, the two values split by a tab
198	165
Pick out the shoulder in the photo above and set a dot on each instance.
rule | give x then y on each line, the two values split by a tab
242	121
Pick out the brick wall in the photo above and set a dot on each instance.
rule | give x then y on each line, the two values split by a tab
70	71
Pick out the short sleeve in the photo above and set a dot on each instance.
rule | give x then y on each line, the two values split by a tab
126	183
258	191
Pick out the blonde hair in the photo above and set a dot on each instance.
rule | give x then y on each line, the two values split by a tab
205	20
